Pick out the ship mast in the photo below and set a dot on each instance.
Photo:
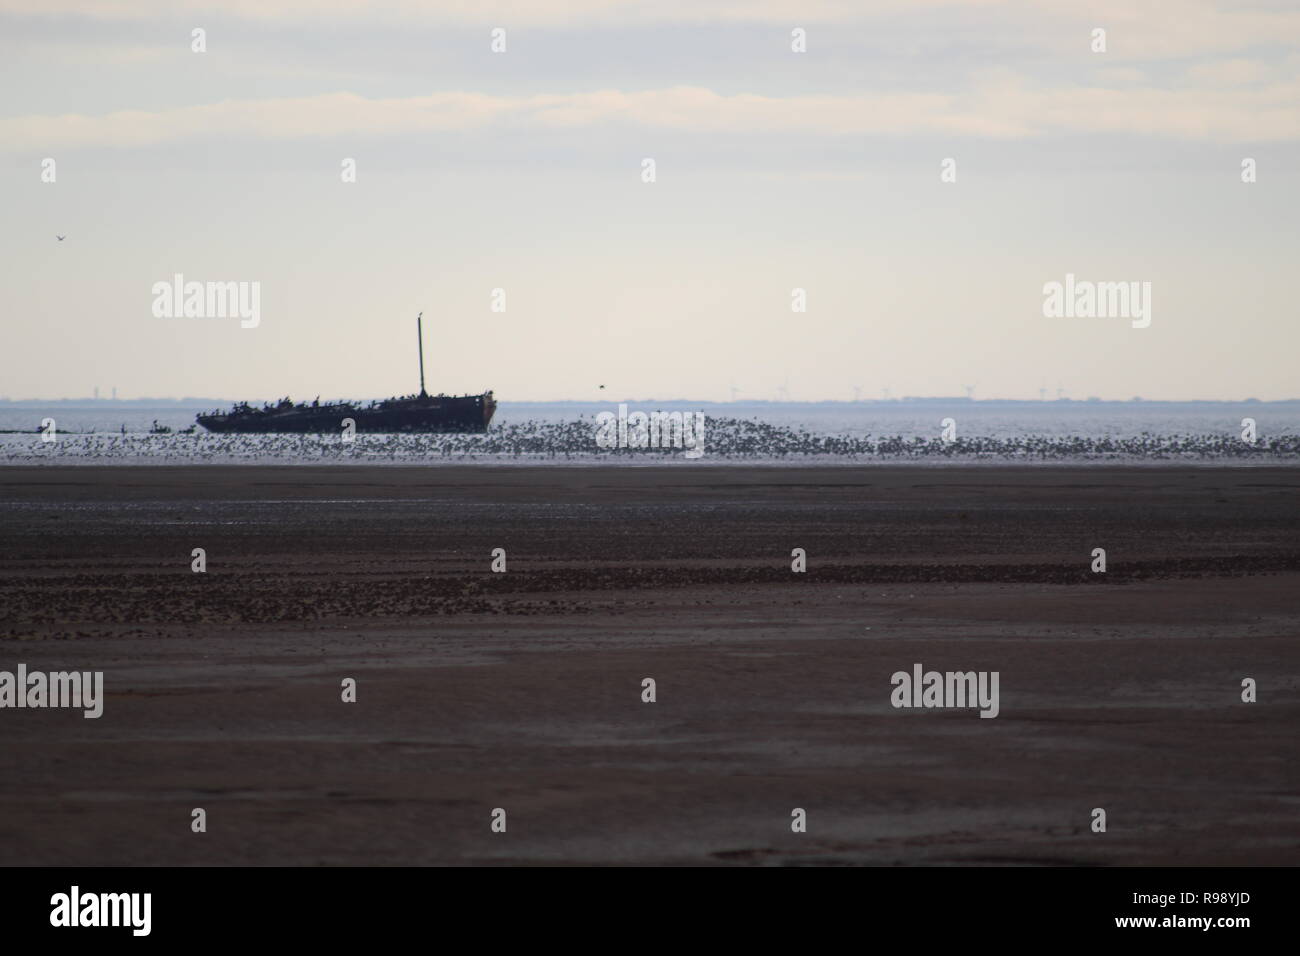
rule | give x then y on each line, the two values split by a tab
419	331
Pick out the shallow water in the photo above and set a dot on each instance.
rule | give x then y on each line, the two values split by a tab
906	418
829	434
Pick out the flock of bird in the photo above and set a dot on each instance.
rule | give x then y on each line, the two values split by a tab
725	439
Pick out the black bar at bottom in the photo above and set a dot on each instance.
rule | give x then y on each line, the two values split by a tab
332	906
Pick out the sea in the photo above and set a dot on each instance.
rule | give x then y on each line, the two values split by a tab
914	430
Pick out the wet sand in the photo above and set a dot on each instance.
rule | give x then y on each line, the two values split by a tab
522	690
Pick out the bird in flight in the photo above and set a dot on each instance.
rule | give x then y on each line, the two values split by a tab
602	386
60	238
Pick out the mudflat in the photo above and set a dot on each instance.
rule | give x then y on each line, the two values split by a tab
522	690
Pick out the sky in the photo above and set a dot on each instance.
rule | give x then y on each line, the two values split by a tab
774	170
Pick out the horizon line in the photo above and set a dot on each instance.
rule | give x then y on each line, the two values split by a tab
905	399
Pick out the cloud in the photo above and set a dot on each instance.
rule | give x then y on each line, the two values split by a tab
1000	105
1235	72
1137	29
557	13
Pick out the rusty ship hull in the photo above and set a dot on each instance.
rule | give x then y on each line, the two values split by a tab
421	413
413	413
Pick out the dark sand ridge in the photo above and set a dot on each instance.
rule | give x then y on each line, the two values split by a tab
523	690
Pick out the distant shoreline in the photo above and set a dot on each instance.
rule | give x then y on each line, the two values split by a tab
685	402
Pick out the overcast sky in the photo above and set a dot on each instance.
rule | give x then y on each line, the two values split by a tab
775	170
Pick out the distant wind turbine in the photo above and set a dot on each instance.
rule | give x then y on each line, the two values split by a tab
734	390
970	391
857	393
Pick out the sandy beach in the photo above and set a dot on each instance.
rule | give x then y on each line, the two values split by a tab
522	690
